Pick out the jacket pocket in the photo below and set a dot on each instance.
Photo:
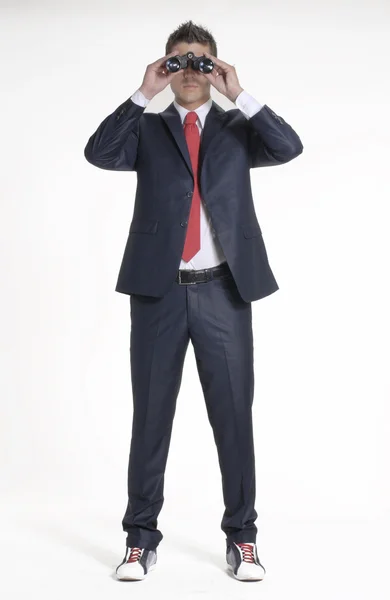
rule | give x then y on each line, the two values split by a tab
143	225
251	230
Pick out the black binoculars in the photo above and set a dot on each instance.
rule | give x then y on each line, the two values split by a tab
198	63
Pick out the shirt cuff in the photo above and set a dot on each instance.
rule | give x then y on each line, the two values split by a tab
248	104
139	98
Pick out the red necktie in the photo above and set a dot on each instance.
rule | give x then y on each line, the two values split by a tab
192	241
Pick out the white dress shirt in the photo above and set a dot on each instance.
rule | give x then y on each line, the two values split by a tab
210	253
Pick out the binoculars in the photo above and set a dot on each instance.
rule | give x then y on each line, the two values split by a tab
198	63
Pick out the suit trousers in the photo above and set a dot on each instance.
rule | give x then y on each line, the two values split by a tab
219	324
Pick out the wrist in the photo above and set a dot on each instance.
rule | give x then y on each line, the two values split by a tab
147	93
234	95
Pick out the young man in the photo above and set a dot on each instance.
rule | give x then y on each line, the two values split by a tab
194	261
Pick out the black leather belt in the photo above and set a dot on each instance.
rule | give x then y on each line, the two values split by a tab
190	276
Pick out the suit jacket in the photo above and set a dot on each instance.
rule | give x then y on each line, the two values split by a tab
154	145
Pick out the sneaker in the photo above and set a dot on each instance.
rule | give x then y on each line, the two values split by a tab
136	564
243	561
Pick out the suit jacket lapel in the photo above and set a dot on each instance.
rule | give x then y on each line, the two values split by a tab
215	119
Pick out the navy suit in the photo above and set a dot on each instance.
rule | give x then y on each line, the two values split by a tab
216	315
154	146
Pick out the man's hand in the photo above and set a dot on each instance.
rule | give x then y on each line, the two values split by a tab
156	77
224	78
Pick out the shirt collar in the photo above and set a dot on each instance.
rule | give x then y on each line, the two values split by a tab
201	110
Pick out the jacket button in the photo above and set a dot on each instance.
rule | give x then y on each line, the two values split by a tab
183	223
189	194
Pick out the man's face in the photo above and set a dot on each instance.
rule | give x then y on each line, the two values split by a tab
199	93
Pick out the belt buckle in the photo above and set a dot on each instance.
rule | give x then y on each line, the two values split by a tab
180	282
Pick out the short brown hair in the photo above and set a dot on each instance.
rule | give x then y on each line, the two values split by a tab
191	33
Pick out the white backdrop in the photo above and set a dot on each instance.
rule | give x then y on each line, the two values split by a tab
321	407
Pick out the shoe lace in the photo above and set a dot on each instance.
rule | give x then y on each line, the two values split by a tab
134	555
247	552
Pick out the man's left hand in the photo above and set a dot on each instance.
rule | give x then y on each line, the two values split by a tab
224	78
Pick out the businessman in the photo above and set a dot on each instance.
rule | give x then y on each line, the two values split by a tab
194	261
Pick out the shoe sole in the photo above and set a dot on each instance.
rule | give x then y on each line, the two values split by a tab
136	578
243	578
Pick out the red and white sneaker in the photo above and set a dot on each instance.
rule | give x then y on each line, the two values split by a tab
244	562
136	564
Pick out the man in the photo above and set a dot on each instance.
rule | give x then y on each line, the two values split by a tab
194	261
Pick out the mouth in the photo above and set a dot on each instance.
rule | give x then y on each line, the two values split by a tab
191	86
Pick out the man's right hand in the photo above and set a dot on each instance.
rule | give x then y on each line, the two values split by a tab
157	77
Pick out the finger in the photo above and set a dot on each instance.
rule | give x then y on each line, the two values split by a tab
212	75
215	73
220	63
212	78
162	60
165	72
170	75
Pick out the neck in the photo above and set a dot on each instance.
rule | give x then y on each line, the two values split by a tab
191	105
